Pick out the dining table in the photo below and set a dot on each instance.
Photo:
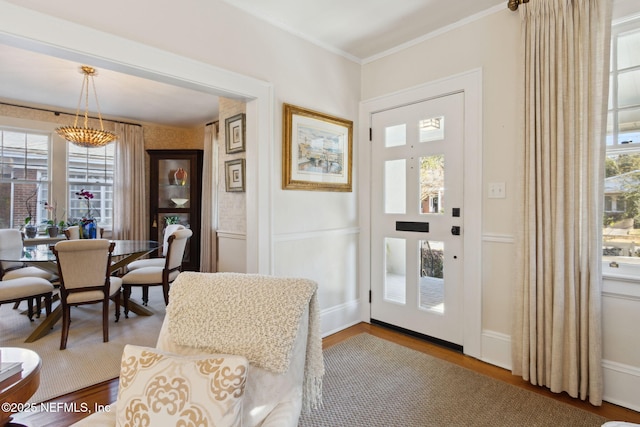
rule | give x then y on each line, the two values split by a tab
42	256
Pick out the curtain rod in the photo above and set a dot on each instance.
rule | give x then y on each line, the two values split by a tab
513	4
57	113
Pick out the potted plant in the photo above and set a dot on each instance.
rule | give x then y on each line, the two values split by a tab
88	225
172	219
30	229
53	225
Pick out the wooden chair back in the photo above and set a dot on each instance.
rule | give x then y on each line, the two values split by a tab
84	265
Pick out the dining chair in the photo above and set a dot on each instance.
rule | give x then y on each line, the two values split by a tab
158	276
160	261
11	241
84	268
73	232
31	289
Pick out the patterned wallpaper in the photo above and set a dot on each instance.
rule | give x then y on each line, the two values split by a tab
155	136
232	216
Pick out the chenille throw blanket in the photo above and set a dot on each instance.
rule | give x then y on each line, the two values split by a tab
255	316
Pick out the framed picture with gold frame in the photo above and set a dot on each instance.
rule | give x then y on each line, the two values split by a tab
316	150
235	134
234	175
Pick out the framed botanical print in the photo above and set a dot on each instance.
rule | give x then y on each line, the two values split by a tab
316	151
235	134
234	175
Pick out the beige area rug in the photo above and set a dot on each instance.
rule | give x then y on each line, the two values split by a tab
373	382
86	360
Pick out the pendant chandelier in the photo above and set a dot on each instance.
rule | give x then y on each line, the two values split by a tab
86	136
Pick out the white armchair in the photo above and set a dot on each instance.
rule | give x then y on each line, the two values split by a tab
229	312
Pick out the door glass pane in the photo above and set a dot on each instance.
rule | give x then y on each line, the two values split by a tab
395	270
395	186
173	183
431	292
395	135
432	184
432	129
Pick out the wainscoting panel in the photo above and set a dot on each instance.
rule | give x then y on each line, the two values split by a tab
621	384
232	252
329	257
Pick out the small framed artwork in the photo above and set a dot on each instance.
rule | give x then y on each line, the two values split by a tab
316	151
234	175
235	134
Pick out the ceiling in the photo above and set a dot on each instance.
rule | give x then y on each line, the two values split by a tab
357	29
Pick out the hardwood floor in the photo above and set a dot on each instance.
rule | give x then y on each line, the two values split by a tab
105	393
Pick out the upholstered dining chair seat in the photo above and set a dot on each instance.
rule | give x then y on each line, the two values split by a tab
28	272
146	275
11	241
142	263
115	283
27	288
23	287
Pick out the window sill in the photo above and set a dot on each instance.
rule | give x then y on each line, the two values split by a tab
621	282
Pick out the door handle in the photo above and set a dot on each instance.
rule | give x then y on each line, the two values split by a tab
455	230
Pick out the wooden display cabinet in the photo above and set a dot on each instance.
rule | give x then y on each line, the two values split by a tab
175	195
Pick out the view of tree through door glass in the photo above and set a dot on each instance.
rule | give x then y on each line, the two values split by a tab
621	228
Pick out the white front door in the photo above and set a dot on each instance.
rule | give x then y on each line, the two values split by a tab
417	217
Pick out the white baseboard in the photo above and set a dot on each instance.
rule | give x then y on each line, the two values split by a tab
621	384
339	317
496	349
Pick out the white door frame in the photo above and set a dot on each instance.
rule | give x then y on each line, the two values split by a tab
53	36
471	84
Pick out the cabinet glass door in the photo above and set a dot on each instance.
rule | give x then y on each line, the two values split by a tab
173	183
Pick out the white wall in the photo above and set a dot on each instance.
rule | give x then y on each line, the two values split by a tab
316	230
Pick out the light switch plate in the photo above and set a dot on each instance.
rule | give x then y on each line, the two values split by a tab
497	190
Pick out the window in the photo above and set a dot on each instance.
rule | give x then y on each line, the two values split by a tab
24	176
91	169
33	171
621	226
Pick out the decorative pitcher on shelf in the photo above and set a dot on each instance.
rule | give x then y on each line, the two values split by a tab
180	176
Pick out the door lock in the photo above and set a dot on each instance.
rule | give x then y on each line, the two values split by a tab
455	230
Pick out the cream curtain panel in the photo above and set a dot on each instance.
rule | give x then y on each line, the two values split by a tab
557	326
209	200
130	213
